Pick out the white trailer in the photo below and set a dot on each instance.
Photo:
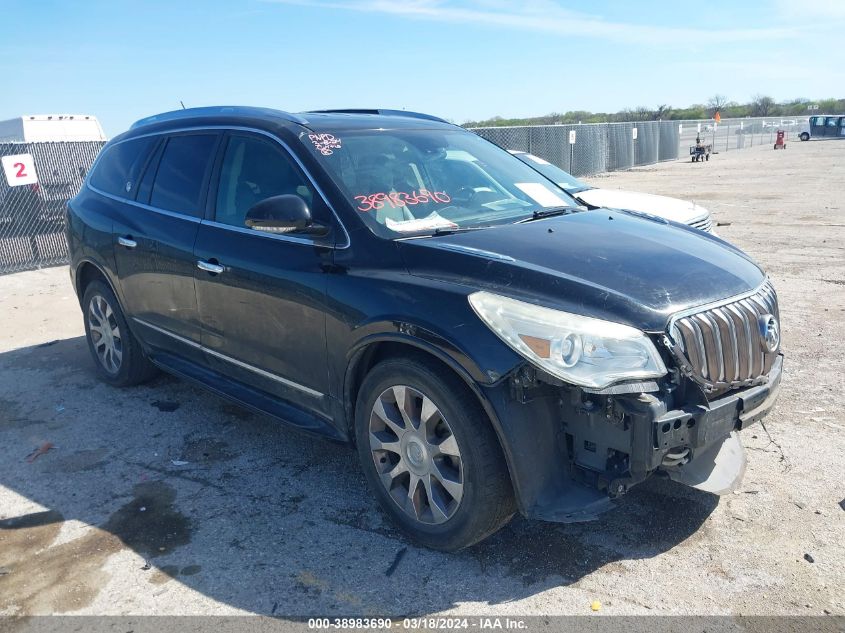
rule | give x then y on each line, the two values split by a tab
41	128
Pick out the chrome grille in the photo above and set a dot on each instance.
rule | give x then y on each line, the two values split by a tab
705	224
723	343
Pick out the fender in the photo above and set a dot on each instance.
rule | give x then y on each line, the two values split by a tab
111	281
433	342
103	270
90	236
426	341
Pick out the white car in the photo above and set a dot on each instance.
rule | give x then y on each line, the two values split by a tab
662	206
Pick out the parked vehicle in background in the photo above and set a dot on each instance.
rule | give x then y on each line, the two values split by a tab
779	124
823	126
662	206
394	281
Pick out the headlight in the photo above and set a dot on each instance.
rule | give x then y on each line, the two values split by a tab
577	349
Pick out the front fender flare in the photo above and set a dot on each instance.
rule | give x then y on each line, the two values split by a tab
426	341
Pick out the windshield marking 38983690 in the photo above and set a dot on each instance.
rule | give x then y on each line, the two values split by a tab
397	199
409	181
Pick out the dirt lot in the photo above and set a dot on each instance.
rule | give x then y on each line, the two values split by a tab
263	520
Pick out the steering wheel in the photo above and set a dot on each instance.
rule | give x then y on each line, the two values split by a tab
465	195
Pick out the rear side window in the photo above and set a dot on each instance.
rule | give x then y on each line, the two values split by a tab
181	173
120	165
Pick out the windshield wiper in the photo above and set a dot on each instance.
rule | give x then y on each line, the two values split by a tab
547	213
448	230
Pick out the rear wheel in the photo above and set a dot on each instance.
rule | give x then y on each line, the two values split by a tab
430	455
116	353
804	136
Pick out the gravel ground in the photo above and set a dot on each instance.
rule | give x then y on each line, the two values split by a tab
263	520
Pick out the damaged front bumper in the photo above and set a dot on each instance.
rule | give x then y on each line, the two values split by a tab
605	444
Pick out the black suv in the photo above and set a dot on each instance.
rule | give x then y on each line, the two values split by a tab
394	281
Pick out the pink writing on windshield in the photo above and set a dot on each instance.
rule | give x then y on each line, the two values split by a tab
325	143
400	199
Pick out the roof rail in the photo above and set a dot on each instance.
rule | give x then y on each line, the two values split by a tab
175	115
405	113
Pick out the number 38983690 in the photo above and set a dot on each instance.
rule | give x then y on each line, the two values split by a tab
396	199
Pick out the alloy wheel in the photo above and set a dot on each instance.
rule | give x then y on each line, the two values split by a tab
416	454
105	334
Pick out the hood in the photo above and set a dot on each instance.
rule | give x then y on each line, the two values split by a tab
608	264
670	208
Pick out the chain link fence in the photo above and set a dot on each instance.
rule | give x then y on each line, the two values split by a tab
598	147
32	215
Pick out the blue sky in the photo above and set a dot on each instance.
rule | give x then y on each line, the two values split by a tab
467	59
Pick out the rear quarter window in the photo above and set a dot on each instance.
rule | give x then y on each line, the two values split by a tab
119	167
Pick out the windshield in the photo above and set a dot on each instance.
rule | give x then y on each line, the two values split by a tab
553	172
423	181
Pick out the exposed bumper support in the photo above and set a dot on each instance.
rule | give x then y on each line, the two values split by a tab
591	448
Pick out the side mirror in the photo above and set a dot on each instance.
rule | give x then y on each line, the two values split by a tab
283	214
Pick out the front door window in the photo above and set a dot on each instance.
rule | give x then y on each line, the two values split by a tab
253	170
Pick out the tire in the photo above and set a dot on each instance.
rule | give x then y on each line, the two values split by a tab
471	495
804	136
118	357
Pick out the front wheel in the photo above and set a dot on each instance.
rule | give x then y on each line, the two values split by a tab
804	136
117	355
430	455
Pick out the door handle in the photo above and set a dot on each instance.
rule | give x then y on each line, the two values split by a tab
210	267
128	242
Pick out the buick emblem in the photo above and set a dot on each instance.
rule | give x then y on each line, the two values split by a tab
769	333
